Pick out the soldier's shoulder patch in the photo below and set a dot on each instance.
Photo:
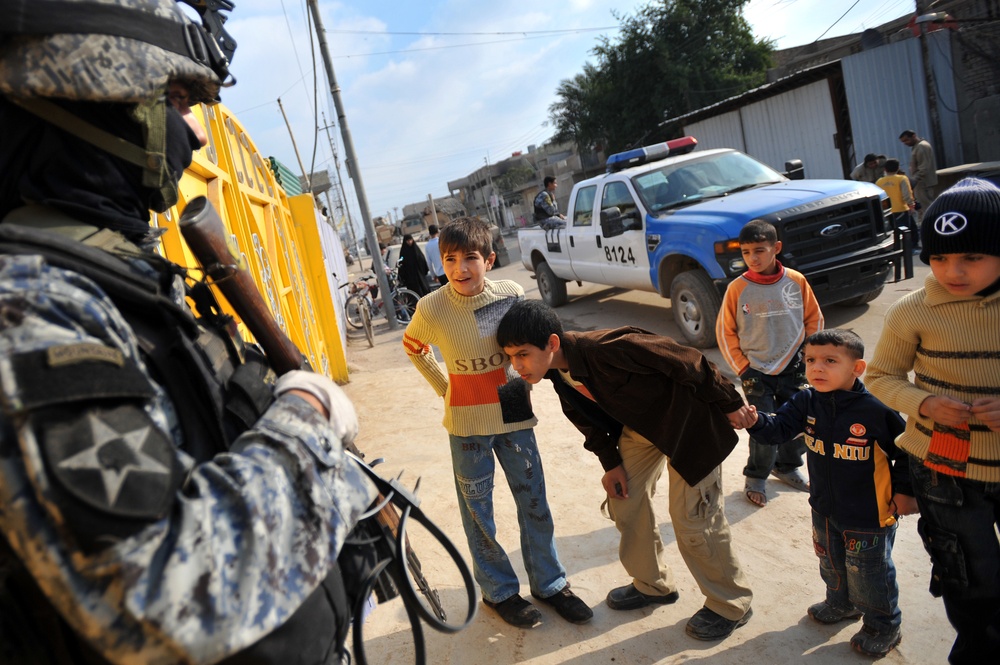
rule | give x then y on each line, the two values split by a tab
77	372
116	461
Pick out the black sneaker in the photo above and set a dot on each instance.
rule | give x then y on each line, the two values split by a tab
516	611
824	612
707	625
568	605
873	643
630	598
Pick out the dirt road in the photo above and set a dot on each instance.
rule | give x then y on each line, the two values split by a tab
401	422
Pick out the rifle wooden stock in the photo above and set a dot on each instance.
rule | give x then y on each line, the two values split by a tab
204	233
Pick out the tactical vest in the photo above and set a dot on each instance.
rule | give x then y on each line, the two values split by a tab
219	387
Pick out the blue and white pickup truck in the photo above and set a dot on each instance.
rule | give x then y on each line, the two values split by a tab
666	219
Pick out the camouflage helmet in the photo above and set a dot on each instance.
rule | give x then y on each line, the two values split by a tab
112	50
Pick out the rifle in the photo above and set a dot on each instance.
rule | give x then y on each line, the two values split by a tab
205	234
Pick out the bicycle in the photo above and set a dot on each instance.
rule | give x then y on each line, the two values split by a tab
363	304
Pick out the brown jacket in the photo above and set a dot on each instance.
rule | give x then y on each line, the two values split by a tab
669	393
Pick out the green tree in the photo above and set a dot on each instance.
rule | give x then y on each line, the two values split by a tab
513	177
671	57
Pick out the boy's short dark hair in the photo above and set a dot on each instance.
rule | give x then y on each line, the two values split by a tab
432	230
907	133
528	322
892	165
757	230
549	179
846	339
466	234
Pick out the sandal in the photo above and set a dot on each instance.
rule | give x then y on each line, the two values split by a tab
754	490
793	478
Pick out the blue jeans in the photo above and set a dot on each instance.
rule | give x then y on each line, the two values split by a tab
472	458
857	566
767	393
958	521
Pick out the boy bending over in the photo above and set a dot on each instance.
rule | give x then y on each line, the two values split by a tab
644	401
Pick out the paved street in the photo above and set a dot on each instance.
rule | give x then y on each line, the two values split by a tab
400	421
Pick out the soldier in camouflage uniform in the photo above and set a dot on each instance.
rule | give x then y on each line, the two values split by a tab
138	524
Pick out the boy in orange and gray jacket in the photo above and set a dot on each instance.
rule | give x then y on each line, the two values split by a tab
766	314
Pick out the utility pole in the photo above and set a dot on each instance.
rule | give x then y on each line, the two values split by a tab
340	188
434	212
932	96
489	179
353	170
305	175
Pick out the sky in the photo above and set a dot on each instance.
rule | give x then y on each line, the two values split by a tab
432	90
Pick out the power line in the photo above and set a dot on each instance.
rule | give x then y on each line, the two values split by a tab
439	48
838	20
470	34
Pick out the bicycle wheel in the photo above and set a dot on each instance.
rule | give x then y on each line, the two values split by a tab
404	303
353	307
366	321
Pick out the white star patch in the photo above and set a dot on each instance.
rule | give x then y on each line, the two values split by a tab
114	470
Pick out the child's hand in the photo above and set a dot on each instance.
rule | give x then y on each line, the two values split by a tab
743	417
945	410
615	483
987	410
905	505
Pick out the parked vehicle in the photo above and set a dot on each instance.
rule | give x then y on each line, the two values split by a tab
667	219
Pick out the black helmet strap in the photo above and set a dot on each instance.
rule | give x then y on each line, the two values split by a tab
151	159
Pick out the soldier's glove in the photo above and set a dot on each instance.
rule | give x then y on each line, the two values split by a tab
343	418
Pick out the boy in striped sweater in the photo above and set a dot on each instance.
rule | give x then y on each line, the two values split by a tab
948	335
488	417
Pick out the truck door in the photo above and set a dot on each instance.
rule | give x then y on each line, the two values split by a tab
583	237
625	259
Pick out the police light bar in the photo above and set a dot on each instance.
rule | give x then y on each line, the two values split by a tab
651	153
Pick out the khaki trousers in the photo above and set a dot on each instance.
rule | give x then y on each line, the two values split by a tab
700	528
923	195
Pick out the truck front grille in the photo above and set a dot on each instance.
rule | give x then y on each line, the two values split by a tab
812	237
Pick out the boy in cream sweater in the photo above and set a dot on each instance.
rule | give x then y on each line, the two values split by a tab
489	418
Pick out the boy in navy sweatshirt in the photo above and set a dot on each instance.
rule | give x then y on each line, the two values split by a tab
860	486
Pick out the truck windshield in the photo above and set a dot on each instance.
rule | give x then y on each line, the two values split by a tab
692	180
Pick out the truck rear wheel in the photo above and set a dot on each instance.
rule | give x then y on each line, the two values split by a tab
863	299
695	303
551	288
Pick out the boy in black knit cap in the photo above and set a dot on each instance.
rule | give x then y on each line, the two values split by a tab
948	335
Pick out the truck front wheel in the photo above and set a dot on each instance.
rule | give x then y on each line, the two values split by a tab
551	288
695	303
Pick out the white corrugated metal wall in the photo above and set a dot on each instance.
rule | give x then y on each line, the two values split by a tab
798	124
887	93
722	131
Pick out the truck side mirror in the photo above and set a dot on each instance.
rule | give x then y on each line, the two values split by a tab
633	220
611	222
794	170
